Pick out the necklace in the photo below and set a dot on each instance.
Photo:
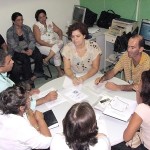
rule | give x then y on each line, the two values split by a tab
131	73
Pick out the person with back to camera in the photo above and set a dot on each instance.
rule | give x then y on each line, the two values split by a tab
46	40
80	131
140	118
21	45
133	62
15	131
80	55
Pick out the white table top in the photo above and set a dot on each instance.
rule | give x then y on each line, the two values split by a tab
112	127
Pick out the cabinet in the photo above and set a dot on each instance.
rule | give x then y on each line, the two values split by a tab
100	40
109	50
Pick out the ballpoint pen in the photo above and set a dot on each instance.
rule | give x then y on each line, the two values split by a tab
104	100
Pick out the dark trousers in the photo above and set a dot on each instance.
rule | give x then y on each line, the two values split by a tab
122	146
22	66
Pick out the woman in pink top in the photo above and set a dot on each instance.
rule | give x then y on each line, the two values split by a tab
140	119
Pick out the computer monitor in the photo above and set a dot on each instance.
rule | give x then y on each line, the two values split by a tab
78	14
84	15
145	32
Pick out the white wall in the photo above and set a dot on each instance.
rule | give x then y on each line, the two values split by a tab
59	11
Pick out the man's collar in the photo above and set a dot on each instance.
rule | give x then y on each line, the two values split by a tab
4	74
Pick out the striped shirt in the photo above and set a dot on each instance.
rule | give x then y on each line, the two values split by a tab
133	72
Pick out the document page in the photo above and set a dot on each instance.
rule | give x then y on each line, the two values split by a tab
50	104
120	108
96	89
74	94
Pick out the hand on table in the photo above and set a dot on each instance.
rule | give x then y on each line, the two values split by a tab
51	96
98	80
77	80
112	86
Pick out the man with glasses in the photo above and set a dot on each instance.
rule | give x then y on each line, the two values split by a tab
6	64
133	62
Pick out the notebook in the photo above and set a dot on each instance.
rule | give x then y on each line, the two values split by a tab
50	119
116	107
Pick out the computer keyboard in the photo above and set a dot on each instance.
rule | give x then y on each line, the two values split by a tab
93	30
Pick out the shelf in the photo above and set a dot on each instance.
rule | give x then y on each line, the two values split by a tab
113	62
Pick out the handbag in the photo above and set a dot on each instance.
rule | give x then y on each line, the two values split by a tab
105	18
135	142
121	42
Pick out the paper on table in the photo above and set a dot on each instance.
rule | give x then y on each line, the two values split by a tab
102	102
96	89
53	103
101	124
59	100
68	83
121	110
42	94
74	94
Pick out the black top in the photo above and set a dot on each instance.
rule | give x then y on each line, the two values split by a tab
2	41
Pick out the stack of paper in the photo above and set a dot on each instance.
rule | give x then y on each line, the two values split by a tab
120	108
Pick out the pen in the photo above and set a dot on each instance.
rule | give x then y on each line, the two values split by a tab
104	100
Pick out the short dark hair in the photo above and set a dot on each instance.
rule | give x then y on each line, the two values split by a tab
80	126
3	55
11	99
15	15
145	89
78	26
38	12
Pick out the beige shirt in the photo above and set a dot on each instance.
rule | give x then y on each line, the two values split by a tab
133	72
81	64
143	111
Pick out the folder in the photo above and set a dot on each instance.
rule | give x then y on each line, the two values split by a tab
50	119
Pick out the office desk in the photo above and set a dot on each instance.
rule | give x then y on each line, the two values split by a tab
114	128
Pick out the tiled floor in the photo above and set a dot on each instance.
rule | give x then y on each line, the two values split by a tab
40	81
